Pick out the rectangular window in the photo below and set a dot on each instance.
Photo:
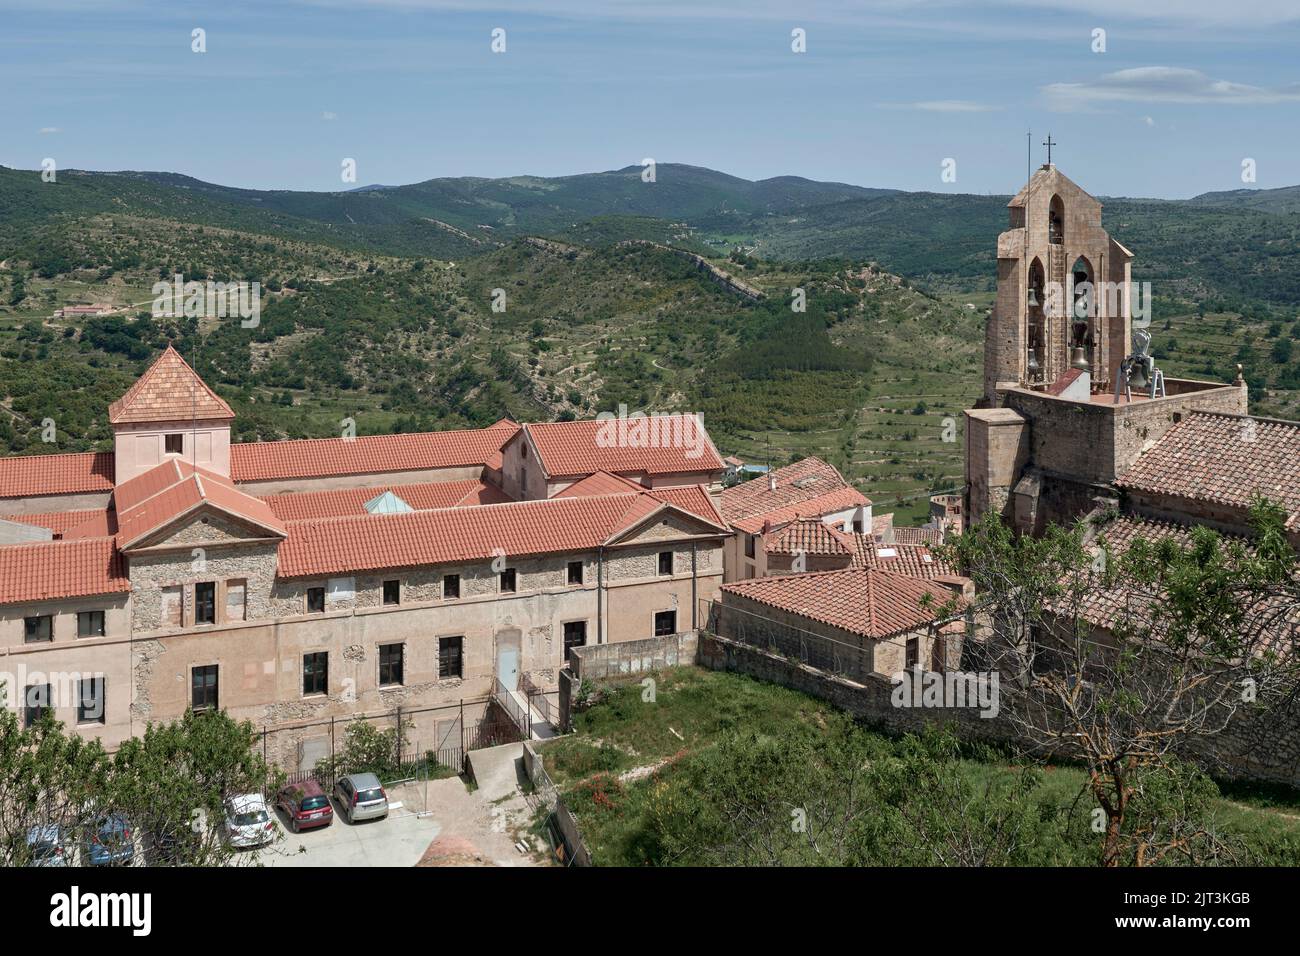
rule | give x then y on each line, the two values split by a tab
236	600
665	562
315	600
575	635
450	657
749	545
315	673
90	624
205	603
203	687
508	581
392	592
90	703
451	586
174	444
390	664
665	623
913	653
36	701
38	629
575	572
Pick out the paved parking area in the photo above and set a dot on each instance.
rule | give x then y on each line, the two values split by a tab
462	827
399	839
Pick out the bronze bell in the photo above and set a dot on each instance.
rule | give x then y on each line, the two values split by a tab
1032	365
1079	358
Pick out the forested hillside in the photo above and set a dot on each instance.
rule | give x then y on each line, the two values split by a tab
378	305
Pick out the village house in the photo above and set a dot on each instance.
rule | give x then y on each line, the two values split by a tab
291	582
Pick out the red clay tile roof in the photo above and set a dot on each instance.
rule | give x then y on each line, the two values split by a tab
829	503
372	454
694	499
48	570
928	536
174	489
1223	459
458	535
1064	382
599	483
26	476
913	560
1107	607
869	603
670	444
351	501
62	521
799	489
170	391
810	536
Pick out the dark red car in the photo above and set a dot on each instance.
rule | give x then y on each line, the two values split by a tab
306	805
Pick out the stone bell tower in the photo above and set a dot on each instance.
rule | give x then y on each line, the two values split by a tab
1063	292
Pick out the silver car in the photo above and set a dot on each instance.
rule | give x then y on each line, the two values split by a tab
360	797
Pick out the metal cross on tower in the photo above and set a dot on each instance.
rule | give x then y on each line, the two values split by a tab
1049	143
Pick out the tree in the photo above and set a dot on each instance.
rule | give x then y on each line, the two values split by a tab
168	784
1127	663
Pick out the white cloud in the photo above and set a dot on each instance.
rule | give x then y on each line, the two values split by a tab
943	106
1149	121
1162	84
47	130
328	116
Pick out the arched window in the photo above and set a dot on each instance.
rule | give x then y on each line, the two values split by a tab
1036	330
1084	304
1056	221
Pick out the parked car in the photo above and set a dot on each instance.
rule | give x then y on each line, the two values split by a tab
306	805
361	797
111	842
173	847
47	845
248	823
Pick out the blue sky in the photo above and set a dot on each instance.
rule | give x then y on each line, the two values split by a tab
885	92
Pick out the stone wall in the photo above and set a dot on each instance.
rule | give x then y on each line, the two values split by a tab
1254	748
600	662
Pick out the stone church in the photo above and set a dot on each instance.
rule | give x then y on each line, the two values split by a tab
1076	416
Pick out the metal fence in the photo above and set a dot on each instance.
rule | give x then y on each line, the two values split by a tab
539	700
451	731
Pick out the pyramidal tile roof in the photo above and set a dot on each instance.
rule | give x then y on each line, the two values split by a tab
861	601
170	391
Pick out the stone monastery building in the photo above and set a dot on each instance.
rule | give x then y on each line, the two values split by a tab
291	582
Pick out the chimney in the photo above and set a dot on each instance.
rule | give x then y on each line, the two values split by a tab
771	481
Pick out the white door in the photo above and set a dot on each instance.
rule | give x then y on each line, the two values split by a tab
508	661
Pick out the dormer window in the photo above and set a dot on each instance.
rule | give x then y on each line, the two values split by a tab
174	444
